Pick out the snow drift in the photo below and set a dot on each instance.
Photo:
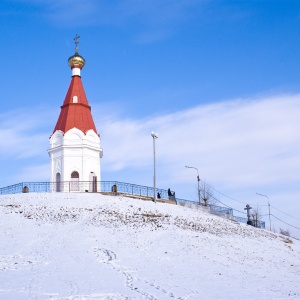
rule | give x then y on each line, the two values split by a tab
91	246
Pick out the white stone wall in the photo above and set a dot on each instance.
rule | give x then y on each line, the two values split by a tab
75	151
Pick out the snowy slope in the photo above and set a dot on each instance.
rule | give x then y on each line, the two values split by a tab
91	246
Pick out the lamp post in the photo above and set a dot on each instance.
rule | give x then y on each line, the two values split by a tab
268	206
154	136
198	180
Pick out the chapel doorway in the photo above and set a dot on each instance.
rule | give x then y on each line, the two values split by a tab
93	183
74	182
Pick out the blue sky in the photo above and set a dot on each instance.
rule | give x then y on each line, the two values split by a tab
218	80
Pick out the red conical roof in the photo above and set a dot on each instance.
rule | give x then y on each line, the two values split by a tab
75	111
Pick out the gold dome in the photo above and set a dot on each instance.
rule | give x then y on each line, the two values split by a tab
76	61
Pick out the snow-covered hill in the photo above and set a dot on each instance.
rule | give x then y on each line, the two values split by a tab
91	246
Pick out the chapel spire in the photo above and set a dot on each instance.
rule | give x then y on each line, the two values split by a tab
75	111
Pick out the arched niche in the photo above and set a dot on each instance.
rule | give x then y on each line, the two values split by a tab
57	182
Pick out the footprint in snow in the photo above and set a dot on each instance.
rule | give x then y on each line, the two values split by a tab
104	255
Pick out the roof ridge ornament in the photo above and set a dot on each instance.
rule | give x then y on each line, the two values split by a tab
76	42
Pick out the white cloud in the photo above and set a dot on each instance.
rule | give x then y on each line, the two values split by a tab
154	20
244	142
72	11
240	142
22	135
34	173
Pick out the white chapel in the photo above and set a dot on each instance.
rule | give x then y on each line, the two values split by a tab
75	150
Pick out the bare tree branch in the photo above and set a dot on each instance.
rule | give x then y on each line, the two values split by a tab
207	194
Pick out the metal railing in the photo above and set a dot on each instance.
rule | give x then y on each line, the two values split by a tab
257	224
83	186
187	201
219	210
113	186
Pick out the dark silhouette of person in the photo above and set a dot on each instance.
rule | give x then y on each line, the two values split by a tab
169	192
158	195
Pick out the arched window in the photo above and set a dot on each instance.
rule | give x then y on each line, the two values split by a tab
58	189
74	181
75	175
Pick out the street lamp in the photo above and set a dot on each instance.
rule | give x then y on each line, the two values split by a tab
155	136
268	206
198	179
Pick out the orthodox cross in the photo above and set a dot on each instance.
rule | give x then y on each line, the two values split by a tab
76	42
248	211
